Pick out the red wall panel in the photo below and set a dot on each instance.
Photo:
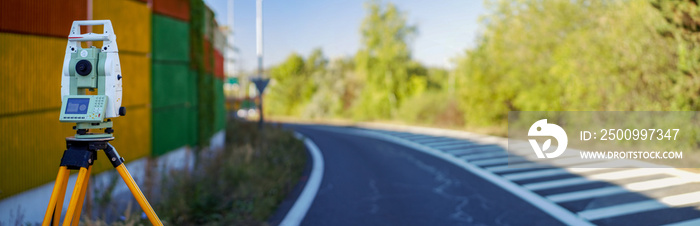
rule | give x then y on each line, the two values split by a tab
218	64
179	9
208	56
47	18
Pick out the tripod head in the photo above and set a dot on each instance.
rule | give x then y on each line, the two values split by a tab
91	82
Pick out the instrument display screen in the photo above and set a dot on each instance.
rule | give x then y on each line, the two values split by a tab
77	105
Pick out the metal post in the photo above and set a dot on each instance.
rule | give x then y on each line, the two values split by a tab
230	67
260	122
259	34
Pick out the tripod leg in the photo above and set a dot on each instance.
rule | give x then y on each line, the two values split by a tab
138	195
118	163
61	196
81	199
75	196
54	195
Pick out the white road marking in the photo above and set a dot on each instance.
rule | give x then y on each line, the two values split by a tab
484	155
519	144
692	222
585	170
630	208
469	151
606	164
516	164
446	147
298	211
523	151
516	167
428	139
638	186
534	174
590	193
620	210
557	183
410	136
626	174
682	199
450	141
659	183
490	161
392	132
573	160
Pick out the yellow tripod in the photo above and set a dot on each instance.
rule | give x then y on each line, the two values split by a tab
80	155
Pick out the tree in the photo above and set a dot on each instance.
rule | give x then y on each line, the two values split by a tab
549	55
335	85
290	86
382	61
683	26
296	80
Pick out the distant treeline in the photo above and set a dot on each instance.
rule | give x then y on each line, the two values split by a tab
531	55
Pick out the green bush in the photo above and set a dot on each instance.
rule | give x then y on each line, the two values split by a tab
241	185
431	108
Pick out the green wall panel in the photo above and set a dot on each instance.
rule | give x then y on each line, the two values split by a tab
171	39
192	92
172	129
193	124
172	85
188	102
206	112
220	105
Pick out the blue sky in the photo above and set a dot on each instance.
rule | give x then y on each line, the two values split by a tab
445	29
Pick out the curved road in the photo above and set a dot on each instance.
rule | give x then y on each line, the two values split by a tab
369	181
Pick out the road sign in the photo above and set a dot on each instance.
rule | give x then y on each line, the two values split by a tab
260	83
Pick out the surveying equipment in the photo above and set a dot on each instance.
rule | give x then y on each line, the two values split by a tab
88	70
91	91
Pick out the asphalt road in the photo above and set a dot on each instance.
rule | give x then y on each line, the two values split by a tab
369	181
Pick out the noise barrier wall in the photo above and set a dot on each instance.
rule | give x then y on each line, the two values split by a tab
33	41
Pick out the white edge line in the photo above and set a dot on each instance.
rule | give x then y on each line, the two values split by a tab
691	222
298	211
547	206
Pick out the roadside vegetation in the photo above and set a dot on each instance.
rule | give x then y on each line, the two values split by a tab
241	185
531	55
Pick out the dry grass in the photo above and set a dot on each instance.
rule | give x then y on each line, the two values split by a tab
241	185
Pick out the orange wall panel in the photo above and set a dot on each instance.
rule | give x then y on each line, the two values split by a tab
136	69
30	73
131	21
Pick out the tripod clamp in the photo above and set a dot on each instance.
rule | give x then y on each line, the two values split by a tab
83	152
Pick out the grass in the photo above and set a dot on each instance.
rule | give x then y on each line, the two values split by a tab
241	185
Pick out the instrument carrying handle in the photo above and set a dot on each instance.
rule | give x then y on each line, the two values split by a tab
107	35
